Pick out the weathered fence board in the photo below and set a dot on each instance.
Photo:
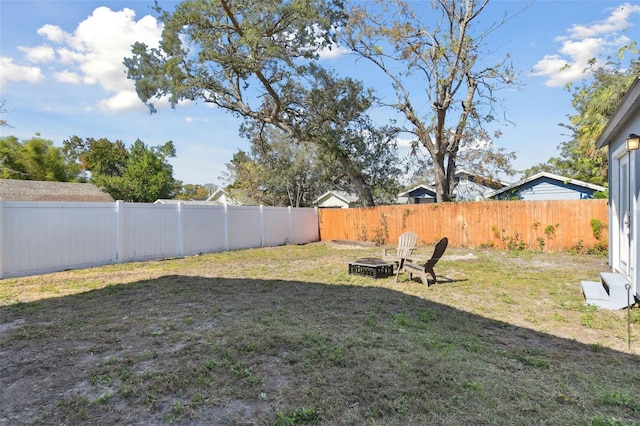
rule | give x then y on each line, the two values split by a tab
547	225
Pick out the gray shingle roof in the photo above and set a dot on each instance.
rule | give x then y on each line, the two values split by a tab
33	190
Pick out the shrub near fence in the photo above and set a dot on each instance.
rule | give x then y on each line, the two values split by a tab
41	237
536	225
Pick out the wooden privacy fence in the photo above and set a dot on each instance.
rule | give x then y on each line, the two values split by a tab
538	225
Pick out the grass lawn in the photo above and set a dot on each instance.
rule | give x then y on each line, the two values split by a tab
285	336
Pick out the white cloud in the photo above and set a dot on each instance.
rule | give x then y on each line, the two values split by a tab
14	72
619	20
68	56
39	54
67	76
123	100
584	43
94	52
334	52
405	142
476	144
195	119
52	33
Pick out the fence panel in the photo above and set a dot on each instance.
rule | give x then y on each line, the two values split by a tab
304	226
204	229
541	225
37	237
150	231
243	227
275	226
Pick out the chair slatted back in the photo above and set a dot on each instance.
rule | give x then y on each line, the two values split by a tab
406	244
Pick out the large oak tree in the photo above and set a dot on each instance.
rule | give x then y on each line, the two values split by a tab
255	59
444	88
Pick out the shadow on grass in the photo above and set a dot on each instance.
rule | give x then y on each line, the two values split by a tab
441	280
194	350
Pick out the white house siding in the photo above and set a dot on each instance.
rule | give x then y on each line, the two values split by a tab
333	202
626	120
617	149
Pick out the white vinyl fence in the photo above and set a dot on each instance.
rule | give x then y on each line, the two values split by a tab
42	237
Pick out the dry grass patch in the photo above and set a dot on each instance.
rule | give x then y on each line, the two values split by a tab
286	336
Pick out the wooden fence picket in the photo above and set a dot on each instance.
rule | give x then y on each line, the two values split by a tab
553	225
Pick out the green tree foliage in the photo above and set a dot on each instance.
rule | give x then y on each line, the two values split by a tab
290	171
254	59
445	61
140	174
34	159
595	101
100	157
281	171
226	52
11	166
338	120
3	122
191	191
148	175
244	175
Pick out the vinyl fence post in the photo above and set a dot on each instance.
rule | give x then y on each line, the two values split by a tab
290	239
2	228
261	210
120	250
180	228
226	227
317	235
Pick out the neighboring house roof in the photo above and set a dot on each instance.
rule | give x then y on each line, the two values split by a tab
628	108
481	180
548	186
236	198
33	190
420	191
469	187
421	194
217	194
343	198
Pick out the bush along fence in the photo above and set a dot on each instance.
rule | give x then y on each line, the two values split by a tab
558	225
42	237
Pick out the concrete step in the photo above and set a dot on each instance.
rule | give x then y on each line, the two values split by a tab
610	293
595	294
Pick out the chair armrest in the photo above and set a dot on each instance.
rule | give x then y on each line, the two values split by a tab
413	267
416	259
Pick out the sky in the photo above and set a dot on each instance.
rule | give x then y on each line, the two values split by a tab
61	75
